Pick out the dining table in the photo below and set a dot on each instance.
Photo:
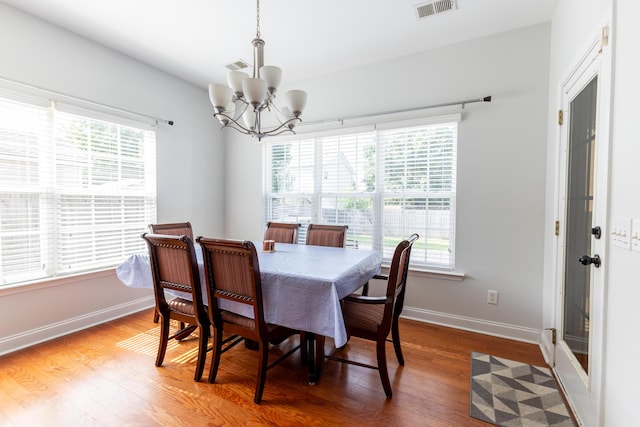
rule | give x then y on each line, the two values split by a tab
302	288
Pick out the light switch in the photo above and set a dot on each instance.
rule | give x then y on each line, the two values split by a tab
621	232
635	234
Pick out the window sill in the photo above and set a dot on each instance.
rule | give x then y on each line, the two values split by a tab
432	274
54	281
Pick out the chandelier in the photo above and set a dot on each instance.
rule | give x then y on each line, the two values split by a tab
241	104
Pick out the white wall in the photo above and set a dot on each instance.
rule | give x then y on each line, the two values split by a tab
501	172
622	347
575	23
189	163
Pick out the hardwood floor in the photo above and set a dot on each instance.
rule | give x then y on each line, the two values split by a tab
105	376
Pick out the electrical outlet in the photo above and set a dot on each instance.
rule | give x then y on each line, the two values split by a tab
492	297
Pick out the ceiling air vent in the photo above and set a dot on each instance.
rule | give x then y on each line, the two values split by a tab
425	10
238	65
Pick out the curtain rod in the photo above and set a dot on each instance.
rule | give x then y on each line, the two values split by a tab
86	101
446	104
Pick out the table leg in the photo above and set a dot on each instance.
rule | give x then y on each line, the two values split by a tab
315	351
319	354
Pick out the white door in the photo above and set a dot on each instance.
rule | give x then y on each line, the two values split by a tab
582	233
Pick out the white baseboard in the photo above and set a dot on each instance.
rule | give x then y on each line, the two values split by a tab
503	330
38	335
46	333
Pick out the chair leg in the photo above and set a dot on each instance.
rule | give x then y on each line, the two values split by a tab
217	349
395	335
382	366
156	316
365	289
202	351
262	371
164	339
185	332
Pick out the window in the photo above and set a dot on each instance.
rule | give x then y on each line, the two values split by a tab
76	191
385	184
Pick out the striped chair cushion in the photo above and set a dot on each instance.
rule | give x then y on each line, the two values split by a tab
182	305
365	317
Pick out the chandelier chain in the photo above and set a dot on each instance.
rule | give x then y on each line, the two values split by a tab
258	19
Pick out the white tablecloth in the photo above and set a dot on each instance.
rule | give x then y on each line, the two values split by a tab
301	285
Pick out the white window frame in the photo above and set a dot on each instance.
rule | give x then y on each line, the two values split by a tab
423	258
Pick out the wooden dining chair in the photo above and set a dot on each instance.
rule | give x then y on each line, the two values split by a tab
174	267
233	274
371	317
282	232
173	229
397	311
327	235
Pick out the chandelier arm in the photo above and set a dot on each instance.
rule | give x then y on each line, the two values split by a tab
280	114
238	112
266	105
282	125
241	129
270	133
233	124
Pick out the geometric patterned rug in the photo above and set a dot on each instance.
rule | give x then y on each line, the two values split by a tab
514	394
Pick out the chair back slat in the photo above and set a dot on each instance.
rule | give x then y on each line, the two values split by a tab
396	284
173	229
173	266
172	260
232	273
401	284
282	232
327	235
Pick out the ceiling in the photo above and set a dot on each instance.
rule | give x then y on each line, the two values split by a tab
195	39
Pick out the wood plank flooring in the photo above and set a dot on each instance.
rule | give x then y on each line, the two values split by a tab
105	376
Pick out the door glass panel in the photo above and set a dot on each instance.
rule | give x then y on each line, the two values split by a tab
577	280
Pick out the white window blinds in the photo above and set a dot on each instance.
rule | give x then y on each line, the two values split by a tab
75	192
384	184
419	171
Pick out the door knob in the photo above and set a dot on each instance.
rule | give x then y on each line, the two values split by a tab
586	260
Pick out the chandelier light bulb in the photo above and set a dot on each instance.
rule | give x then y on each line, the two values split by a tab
288	115
255	90
249	117
272	75
235	79
297	100
220	96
